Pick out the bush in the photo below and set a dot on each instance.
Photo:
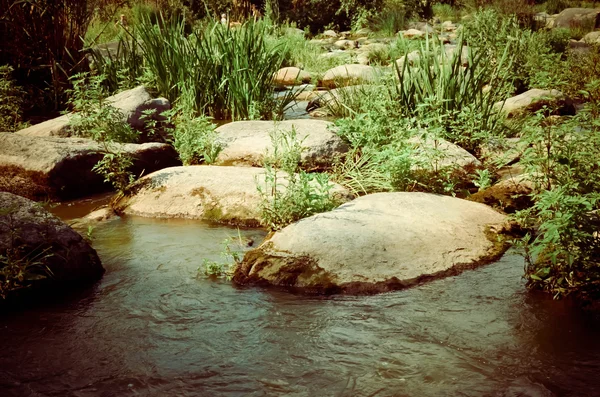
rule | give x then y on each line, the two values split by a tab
103	123
563	254
194	138
45	45
289	194
336	14
11	101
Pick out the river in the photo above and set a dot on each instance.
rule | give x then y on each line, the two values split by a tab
151	327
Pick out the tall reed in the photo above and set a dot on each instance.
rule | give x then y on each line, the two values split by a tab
223	72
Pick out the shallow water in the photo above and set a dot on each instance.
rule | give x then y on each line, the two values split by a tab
152	328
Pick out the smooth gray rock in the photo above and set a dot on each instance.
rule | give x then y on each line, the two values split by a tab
376	243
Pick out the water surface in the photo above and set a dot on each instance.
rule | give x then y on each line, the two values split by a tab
151	327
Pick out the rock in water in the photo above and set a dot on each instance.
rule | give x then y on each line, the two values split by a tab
219	194
31	234
376	243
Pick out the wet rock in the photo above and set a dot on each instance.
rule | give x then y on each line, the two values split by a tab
363	32
337	97
533	100
450	51
226	195
293	31
412	58
61	168
422	26
376	243
29	231
367	52
93	219
245	143
291	76
132	103
350	74
448	26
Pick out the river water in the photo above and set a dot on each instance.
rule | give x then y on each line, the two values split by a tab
151	327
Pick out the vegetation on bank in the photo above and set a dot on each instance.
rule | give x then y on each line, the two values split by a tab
398	133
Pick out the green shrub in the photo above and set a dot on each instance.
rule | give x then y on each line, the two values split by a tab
563	254
316	14
445	12
194	138
390	20
94	117
11	101
288	193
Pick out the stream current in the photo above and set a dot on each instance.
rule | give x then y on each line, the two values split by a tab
151	327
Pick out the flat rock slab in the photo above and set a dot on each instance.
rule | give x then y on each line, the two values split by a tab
245	143
61	168
218	194
28	230
376	243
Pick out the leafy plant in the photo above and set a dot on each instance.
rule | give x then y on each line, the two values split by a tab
563	250
19	265
230	259
288	193
11	101
95	117
194	138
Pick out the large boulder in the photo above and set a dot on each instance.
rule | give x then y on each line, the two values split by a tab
244	143
131	103
533	100
226	195
46	249
348	75
291	76
583	18
376	243
61	168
